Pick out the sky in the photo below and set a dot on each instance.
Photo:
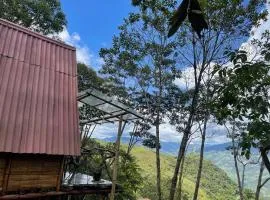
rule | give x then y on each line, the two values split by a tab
91	26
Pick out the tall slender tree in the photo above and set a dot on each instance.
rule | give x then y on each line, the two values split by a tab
229	24
244	95
141	60
261	183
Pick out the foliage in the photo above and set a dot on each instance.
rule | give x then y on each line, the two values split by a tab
140	59
140	64
224	160
215	184
149	142
88	78
129	178
229	25
243	96
98	155
45	16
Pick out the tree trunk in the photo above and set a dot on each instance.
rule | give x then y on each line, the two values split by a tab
180	156
199	174
236	166
243	176
265	159
180	180
238	178
258	189
158	162
185	138
157	123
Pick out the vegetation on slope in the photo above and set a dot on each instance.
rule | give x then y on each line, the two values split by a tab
215	183
223	159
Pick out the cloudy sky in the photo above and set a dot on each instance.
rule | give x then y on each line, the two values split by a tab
91	25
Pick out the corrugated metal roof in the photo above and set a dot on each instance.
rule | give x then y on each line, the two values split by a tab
38	89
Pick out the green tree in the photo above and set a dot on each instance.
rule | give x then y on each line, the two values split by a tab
229	23
44	16
141	62
243	95
98	157
88	78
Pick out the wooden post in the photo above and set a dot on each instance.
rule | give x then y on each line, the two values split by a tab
60	175
6	173
102	197
115	164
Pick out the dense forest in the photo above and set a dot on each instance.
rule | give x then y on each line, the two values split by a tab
229	86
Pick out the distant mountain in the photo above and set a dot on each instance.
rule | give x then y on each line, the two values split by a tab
124	140
215	183
224	160
217	147
172	147
221	157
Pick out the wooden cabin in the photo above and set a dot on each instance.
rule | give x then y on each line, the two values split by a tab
38	110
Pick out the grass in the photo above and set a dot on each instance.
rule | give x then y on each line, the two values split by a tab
215	184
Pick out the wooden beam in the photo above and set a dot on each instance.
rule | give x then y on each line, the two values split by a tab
116	160
6	173
103	118
103	192
60	174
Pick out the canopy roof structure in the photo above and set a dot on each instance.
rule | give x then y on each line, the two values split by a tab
111	109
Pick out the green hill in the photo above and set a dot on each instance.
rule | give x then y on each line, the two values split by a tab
215	184
224	160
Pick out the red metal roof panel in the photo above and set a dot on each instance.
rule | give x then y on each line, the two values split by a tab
38	89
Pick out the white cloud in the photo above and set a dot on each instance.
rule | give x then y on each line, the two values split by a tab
105	131
83	52
186	81
76	36
256	33
108	130
216	134
84	55
168	132
264	25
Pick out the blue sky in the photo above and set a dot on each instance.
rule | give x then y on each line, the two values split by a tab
94	22
91	26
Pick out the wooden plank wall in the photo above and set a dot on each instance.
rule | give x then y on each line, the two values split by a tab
34	172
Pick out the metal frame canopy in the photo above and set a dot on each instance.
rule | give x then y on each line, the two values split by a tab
112	110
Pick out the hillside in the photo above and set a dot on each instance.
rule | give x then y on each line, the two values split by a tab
223	159
220	157
215	183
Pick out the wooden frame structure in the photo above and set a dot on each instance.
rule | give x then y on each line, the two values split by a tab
38	111
39	123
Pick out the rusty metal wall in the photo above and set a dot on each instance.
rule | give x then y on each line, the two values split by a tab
38	89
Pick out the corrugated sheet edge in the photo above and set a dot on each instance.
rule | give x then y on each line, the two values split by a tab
38	35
